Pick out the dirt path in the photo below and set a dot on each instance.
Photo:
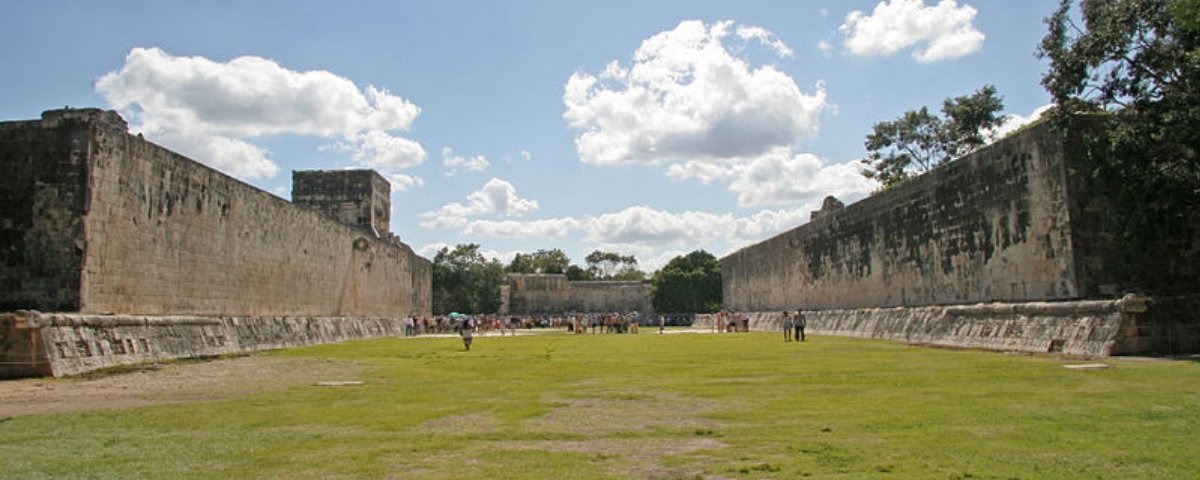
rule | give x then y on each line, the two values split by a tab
173	382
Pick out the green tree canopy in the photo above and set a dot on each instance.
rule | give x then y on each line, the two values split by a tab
613	266
465	281
541	261
1136	60
918	140
577	273
688	284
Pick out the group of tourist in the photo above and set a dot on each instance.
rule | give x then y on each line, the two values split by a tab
415	326
793	326
727	322
605	323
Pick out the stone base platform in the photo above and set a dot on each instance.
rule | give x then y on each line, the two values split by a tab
57	344
1093	328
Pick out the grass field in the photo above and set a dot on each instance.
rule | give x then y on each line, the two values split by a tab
650	406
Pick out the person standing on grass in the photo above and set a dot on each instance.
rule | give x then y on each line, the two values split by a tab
467	331
800	323
786	323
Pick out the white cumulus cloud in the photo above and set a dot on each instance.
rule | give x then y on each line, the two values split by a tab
1013	122
494	197
781	177
941	32
687	97
553	227
454	163
211	110
690	102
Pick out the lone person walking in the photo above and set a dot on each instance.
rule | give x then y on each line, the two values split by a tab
786	323
800	323
467	330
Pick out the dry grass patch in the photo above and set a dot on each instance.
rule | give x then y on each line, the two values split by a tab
624	412
461	425
168	383
630	457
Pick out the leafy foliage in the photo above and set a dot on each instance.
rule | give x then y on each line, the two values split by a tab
918	140
465	281
577	273
541	261
612	266
1137	61
688	284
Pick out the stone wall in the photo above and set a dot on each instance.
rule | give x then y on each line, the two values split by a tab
354	197
1093	328
100	221
535	293
993	226
610	296
552	293
58	344
43	199
1023	221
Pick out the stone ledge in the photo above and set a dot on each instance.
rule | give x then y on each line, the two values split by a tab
59	344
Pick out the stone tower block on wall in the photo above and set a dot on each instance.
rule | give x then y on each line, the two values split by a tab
361	198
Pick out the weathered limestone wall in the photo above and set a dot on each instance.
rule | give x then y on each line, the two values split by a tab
1027	219
1094	328
106	222
552	293
338	194
59	344
42	201
610	296
536	293
993	226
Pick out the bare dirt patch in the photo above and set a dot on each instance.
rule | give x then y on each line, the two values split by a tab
164	383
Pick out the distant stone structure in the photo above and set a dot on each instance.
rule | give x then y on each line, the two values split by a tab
362	198
553	294
139	253
1022	220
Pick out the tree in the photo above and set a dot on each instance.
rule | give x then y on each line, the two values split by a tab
1135	63
629	274
541	261
918	140
465	281
608	265
688	284
967	118
576	273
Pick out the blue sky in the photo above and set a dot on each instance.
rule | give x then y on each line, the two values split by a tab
645	128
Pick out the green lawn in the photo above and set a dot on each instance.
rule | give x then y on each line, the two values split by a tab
651	406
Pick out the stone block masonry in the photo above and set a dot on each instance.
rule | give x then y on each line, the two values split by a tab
58	344
96	221
552	293
1022	221
1091	328
101	221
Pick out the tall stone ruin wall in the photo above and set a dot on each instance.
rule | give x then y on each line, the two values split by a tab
611	297
536	293
101	221
554	294
1022	220
993	226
